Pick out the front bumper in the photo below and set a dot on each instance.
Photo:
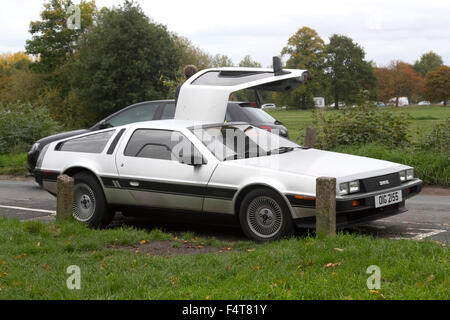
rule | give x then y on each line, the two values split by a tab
347	213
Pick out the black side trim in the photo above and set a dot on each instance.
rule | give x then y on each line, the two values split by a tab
220	193
115	141
46	175
108	182
164	187
172	188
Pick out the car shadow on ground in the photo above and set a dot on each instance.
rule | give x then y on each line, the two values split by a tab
220	227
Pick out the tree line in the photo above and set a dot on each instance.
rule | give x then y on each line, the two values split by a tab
119	56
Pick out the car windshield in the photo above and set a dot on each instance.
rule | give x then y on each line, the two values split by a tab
232	142
258	114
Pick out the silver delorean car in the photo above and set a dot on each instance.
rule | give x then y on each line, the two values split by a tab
198	163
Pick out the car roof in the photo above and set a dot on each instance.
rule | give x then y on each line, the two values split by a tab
171	124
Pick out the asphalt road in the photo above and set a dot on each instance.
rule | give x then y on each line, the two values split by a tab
428	215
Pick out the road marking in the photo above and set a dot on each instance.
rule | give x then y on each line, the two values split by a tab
29	209
422	236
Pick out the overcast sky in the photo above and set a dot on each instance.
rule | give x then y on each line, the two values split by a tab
386	29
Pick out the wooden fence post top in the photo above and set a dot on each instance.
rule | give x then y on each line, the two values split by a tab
330	179
64	197
325	206
310	138
65	178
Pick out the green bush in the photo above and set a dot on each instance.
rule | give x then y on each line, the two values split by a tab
22	124
360	125
438	140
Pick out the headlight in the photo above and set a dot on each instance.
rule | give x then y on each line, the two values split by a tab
406	175
409	174
343	188
353	186
35	147
349	187
402	175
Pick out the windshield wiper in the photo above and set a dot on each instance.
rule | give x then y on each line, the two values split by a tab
280	150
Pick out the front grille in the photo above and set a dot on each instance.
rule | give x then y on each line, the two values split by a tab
380	183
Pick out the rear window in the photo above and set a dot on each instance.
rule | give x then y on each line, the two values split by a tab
93	143
258	115
229	78
168	112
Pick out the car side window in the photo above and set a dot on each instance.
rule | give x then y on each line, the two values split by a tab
145	112
93	143
169	111
158	144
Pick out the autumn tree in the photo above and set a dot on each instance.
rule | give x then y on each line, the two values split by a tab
385	87
347	70
427	62
437	85
17	82
405	81
304	50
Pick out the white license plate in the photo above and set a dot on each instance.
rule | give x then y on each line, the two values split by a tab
386	199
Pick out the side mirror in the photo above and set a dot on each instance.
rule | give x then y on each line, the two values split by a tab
192	160
103	125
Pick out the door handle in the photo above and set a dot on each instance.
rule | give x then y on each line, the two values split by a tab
134	183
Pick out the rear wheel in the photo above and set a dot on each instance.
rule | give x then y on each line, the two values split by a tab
264	216
89	203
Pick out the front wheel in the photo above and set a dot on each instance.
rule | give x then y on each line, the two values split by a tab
89	204
264	216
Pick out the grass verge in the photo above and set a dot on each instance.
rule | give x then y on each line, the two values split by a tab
14	164
35	256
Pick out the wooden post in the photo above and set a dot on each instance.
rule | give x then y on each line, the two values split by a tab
64	197
325	206
310	138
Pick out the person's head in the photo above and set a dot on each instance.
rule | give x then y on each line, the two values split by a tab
189	71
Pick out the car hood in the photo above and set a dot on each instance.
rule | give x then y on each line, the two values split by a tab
318	163
62	135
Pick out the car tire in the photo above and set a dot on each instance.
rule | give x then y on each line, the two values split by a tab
89	203
264	216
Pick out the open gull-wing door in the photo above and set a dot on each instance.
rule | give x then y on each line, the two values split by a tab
204	97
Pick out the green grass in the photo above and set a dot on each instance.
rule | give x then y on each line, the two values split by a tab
15	164
422	119
34	258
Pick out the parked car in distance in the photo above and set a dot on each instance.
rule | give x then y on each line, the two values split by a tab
424	103
268	106
319	102
160	110
402	101
340	104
